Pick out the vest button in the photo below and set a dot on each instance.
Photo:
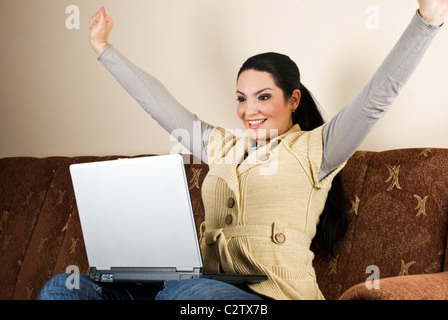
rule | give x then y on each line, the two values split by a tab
280	237
229	219
264	157
230	203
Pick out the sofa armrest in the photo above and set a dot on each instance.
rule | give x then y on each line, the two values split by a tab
412	287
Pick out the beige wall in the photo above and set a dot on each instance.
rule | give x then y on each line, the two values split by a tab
57	99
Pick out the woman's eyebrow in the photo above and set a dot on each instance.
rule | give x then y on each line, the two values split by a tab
258	92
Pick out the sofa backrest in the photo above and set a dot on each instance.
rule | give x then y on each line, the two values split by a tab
397	207
39	225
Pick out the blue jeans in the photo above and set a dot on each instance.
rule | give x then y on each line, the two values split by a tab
188	289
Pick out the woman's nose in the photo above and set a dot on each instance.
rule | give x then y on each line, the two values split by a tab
251	108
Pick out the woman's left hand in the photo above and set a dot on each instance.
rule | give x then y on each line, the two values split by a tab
434	12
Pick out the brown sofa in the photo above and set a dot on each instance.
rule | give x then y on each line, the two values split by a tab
397	209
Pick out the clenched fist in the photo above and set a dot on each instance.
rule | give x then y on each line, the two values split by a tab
100	26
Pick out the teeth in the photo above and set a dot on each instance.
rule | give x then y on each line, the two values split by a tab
255	123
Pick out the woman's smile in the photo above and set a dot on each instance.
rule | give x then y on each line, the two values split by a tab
256	123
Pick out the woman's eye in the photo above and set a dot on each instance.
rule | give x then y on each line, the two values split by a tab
264	97
240	99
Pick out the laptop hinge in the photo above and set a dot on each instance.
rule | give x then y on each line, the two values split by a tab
184	269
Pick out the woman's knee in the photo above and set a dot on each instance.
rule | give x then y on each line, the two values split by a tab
203	289
70	286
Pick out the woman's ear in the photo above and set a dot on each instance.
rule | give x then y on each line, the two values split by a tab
294	100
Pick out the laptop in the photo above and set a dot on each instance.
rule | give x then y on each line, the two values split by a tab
137	221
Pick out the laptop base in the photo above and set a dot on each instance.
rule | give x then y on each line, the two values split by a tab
160	275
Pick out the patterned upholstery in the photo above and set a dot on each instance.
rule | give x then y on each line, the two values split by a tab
397	206
397	209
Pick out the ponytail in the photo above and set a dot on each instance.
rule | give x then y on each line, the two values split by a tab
333	221
307	114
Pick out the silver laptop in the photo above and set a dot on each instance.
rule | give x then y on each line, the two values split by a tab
137	221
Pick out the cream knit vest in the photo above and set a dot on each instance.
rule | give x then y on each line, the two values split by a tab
261	212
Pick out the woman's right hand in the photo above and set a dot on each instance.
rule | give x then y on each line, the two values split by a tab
100	26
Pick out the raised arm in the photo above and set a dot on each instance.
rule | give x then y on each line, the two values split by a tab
150	93
346	131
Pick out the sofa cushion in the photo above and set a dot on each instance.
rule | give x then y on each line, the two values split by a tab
413	287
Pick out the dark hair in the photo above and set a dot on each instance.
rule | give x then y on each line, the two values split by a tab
332	223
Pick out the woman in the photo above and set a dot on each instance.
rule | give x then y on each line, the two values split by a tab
267	193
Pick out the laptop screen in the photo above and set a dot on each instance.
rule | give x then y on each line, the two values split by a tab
136	212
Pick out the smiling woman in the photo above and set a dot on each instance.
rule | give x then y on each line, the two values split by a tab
257	223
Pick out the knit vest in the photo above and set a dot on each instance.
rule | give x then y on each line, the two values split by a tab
261	211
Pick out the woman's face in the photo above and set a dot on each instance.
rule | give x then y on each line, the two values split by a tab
262	106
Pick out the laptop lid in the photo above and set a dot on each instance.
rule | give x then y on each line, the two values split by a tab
136	213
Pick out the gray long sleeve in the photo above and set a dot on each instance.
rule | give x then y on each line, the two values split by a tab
342	135
346	131
155	99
